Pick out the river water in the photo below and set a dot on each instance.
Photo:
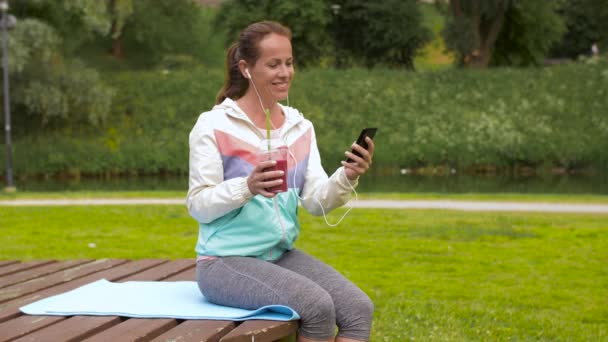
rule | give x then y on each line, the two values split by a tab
452	184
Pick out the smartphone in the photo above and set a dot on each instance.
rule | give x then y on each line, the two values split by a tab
366	132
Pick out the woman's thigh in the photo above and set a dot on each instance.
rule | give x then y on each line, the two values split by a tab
353	307
339	287
251	283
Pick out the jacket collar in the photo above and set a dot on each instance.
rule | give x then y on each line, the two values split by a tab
292	115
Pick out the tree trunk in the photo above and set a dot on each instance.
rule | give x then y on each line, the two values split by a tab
117	50
485	31
116	33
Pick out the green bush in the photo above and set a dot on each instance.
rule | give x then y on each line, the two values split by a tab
386	32
500	118
308	20
586	22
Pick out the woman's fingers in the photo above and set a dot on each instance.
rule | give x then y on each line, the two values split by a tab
261	179
359	165
370	148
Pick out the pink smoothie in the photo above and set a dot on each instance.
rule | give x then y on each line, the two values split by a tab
281	165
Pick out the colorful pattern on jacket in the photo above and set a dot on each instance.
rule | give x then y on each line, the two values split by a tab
239	157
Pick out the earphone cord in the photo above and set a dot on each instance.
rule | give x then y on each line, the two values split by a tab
259	97
295	170
350	207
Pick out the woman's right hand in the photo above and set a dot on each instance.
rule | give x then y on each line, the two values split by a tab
260	180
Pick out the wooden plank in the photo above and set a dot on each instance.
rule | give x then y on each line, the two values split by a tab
7	262
163	271
51	328
197	330
28	274
72	329
187	275
37	284
156	272
10	309
24	325
22	266
261	331
135	329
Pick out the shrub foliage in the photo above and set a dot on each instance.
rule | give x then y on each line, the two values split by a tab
458	118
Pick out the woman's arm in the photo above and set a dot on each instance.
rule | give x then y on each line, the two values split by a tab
321	190
209	196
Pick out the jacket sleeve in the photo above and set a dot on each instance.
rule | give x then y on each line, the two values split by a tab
209	196
321	190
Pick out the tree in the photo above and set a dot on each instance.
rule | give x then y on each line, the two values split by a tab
47	87
80	20
308	19
473	27
499	32
164	27
385	32
119	11
586	23
529	31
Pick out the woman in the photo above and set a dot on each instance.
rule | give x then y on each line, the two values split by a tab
245	246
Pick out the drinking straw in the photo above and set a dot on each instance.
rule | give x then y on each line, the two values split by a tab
267	111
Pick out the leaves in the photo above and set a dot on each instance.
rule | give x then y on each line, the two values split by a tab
32	40
380	33
502	32
308	20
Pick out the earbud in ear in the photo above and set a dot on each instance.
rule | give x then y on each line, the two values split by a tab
247	72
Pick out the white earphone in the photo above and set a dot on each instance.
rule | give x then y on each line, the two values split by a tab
247	72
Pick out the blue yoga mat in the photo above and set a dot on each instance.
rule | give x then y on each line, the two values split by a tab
148	299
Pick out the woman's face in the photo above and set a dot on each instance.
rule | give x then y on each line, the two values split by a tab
273	71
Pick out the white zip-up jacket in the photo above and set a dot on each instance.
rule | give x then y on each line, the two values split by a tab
233	222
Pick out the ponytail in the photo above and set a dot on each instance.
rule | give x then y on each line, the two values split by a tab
235	85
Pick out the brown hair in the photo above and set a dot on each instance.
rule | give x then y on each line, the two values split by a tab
235	85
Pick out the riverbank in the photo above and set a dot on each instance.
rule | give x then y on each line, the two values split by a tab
376	204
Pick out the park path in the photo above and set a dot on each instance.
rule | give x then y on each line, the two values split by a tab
385	204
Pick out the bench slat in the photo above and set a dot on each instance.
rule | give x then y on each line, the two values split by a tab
197	330
263	331
163	271
187	275
135	329
24	325
28	274
72	329
10	309
37	284
22	266
4	263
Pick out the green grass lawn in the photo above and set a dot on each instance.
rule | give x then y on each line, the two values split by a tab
433	275
555	198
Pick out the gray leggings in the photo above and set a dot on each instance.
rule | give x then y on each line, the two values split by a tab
319	294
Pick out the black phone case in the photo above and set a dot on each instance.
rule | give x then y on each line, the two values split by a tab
366	132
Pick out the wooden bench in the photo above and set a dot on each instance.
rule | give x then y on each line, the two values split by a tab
26	282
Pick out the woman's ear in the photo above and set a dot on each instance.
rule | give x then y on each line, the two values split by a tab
244	70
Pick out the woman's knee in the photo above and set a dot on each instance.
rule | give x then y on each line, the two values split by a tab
360	310
318	318
355	319
365	306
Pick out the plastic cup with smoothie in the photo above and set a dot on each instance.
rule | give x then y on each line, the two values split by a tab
277	151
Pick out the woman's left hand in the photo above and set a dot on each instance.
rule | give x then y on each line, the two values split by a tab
359	165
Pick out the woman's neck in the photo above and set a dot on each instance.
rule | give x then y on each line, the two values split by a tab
251	106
